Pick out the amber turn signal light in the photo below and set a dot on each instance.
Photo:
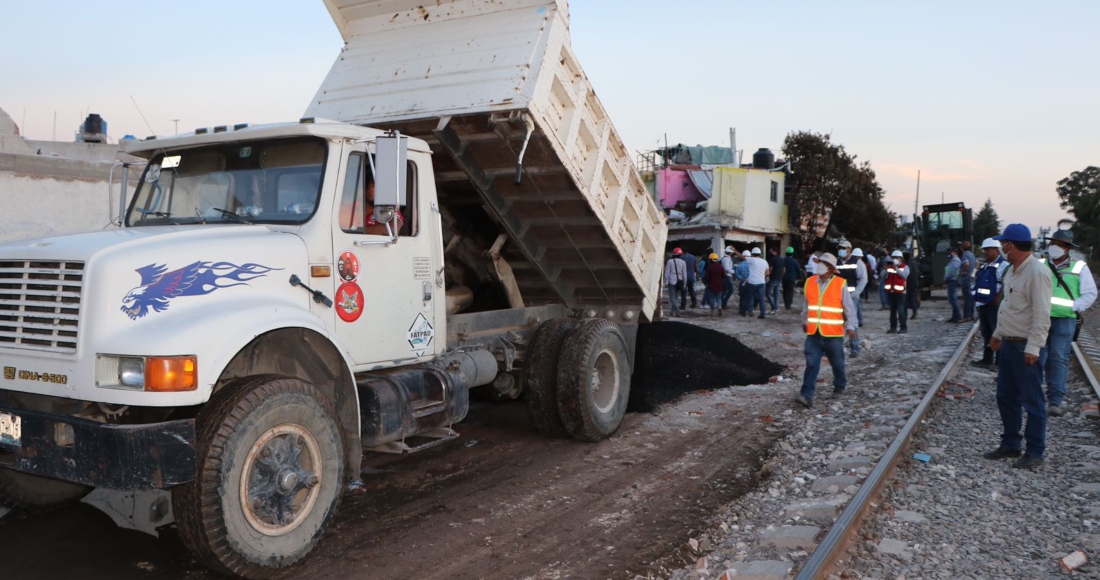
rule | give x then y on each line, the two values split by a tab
171	373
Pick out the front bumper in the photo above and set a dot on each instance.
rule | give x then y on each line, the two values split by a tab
120	457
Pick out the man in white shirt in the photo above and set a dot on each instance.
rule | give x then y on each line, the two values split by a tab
758	274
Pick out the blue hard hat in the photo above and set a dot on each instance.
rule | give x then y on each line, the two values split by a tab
1015	233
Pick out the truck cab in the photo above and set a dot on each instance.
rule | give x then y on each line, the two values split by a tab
281	299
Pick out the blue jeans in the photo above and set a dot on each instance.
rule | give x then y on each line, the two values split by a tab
859	308
1019	389
953	299
727	291
882	292
772	290
673	299
1056	366
712	299
966	284
689	290
756	297
833	349
987	321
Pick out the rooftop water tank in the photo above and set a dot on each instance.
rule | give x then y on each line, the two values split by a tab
95	129
763	159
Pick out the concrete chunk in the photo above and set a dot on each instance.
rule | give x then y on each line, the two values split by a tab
895	548
819	510
839	481
911	517
792	537
1087	488
758	570
846	463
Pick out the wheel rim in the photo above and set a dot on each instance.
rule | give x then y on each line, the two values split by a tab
604	381
282	479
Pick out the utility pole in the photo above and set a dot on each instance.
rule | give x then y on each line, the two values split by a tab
177	122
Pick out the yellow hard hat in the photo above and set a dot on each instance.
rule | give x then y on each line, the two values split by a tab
713	256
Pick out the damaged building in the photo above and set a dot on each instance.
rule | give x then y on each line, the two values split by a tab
714	200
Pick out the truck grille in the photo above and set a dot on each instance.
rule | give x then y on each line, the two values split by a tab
40	304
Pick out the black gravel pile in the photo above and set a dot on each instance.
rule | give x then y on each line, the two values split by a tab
676	358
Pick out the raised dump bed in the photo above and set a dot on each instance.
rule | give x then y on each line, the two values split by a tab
486	82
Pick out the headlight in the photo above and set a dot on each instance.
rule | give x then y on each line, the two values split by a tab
131	372
148	373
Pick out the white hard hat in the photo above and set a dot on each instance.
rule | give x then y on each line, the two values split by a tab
729	249
857	253
828	258
755	251
895	254
844	243
990	243
746	254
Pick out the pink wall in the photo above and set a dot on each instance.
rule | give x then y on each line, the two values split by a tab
675	186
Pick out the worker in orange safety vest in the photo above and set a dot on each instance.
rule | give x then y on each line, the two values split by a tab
830	314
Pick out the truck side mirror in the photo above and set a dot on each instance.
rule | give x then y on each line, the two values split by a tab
391	161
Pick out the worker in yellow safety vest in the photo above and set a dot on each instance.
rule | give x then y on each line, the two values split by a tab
830	314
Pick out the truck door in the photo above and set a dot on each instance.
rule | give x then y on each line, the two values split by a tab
385	294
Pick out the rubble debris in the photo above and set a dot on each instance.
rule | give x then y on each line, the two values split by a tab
1073	560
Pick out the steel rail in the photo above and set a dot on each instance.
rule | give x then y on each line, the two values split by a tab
1086	363
827	552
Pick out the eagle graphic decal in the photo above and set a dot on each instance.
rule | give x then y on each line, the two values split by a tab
159	286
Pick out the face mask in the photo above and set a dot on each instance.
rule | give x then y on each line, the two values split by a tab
842	253
1004	252
897	261
1056	252
821	269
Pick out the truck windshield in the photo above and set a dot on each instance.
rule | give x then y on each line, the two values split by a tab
945	220
274	182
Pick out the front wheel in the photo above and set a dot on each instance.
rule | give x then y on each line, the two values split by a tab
593	380
270	472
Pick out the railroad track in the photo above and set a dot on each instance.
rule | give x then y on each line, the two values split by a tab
830	555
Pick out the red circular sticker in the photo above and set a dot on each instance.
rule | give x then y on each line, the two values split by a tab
348	266
349	301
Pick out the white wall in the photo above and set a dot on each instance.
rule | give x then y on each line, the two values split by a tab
36	206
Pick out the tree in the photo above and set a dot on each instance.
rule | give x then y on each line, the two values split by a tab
1080	195
986	223
831	192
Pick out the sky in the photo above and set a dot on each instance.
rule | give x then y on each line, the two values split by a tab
988	99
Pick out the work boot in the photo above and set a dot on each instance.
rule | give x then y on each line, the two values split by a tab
808	403
892	331
1002	452
1055	411
1027	462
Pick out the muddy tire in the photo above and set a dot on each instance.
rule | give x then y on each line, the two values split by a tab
270	473
540	389
35	493
593	380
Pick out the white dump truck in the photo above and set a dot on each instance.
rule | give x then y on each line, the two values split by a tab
282	298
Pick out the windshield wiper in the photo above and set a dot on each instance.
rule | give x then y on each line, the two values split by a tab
202	220
231	216
166	216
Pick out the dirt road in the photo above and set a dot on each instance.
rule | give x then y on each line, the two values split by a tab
501	501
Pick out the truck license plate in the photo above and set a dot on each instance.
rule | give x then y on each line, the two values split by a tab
11	430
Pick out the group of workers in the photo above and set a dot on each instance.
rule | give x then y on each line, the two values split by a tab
756	281
1029	311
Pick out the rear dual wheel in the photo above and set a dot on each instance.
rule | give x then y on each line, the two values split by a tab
593	380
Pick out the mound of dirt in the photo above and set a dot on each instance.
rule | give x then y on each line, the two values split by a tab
676	358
